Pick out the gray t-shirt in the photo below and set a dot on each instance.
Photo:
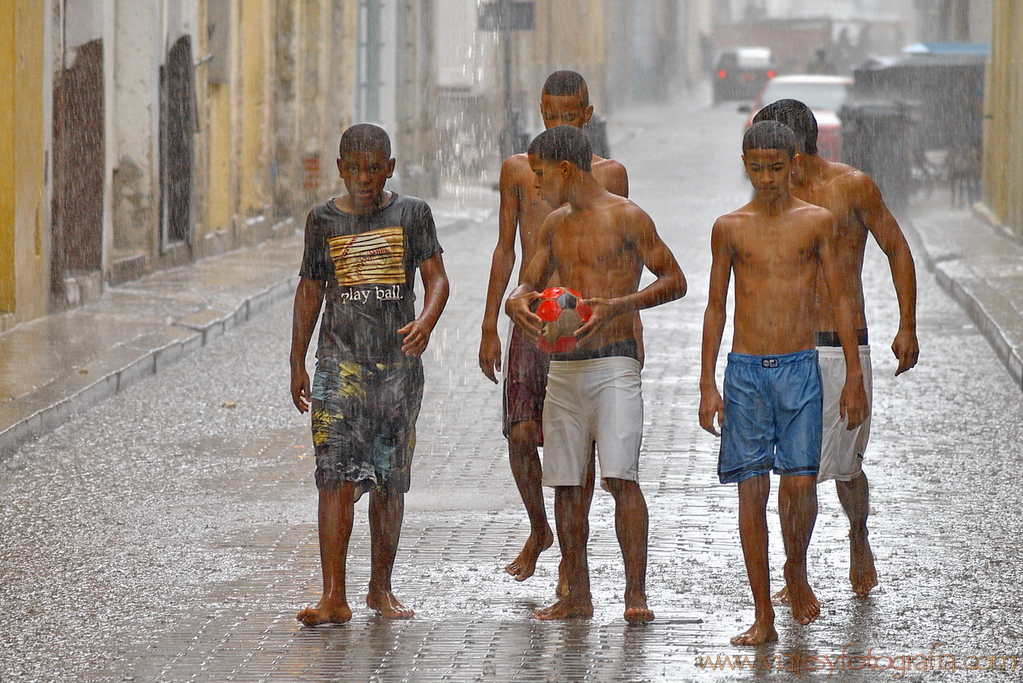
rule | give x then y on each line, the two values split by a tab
368	263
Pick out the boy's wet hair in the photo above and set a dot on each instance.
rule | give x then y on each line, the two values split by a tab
796	116
364	137
565	84
563	143
769	135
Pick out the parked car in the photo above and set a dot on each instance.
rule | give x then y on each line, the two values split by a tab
823	94
740	73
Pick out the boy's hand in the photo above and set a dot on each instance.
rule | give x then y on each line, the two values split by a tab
601	311
517	308
711	406
490	355
906	349
300	388
417	336
852	406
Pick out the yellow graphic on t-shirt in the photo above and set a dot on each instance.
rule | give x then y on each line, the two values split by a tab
374	257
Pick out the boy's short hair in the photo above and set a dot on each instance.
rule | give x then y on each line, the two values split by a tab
796	116
565	84
769	135
563	143
364	137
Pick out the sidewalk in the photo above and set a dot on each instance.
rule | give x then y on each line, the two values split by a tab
60	365
980	266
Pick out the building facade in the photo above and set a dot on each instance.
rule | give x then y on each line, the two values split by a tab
138	135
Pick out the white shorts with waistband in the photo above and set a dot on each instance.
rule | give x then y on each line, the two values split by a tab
842	449
598	400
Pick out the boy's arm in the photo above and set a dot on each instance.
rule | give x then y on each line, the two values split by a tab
501	267
537	274
711	405
655	255
618	180
886	231
435	285
308	299
852	405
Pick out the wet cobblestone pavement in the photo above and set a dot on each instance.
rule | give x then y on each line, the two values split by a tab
167	536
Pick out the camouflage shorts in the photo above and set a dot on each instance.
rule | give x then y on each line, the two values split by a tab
364	422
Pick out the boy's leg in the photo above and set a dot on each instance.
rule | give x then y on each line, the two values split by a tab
336	514
588	485
855	497
631	525
797	507
753	494
527	471
386	512
570	507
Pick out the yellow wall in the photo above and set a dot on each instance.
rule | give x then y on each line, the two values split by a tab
7	290
254	35
23	282
1003	110
218	189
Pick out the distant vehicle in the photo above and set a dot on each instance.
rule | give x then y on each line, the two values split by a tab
740	72
823	94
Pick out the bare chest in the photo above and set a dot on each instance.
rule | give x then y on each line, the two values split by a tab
590	244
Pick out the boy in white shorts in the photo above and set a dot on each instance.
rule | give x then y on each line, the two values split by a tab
860	212
598	243
593	397
841	448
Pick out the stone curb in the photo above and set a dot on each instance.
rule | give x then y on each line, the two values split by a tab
983	299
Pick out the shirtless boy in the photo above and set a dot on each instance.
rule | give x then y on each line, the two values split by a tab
598	243
859	210
778	248
563	101
361	254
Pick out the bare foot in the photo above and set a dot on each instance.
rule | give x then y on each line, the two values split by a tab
781	597
325	613
523	566
757	634
805	608
862	574
567	609
639	615
388	605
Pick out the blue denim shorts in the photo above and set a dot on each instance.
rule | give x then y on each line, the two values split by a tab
773	416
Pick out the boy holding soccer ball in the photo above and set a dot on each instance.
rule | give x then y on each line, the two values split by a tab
564	100
598	243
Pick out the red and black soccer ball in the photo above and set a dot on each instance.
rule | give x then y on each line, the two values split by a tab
563	312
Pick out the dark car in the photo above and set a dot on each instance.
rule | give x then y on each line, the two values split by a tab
740	73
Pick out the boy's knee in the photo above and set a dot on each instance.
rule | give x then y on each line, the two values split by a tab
524	434
801	483
616	486
526	429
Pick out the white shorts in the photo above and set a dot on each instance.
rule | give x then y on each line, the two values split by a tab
598	400
842	449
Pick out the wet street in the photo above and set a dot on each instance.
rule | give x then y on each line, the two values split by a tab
169	534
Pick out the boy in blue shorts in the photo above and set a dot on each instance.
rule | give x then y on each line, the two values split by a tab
362	251
778	247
